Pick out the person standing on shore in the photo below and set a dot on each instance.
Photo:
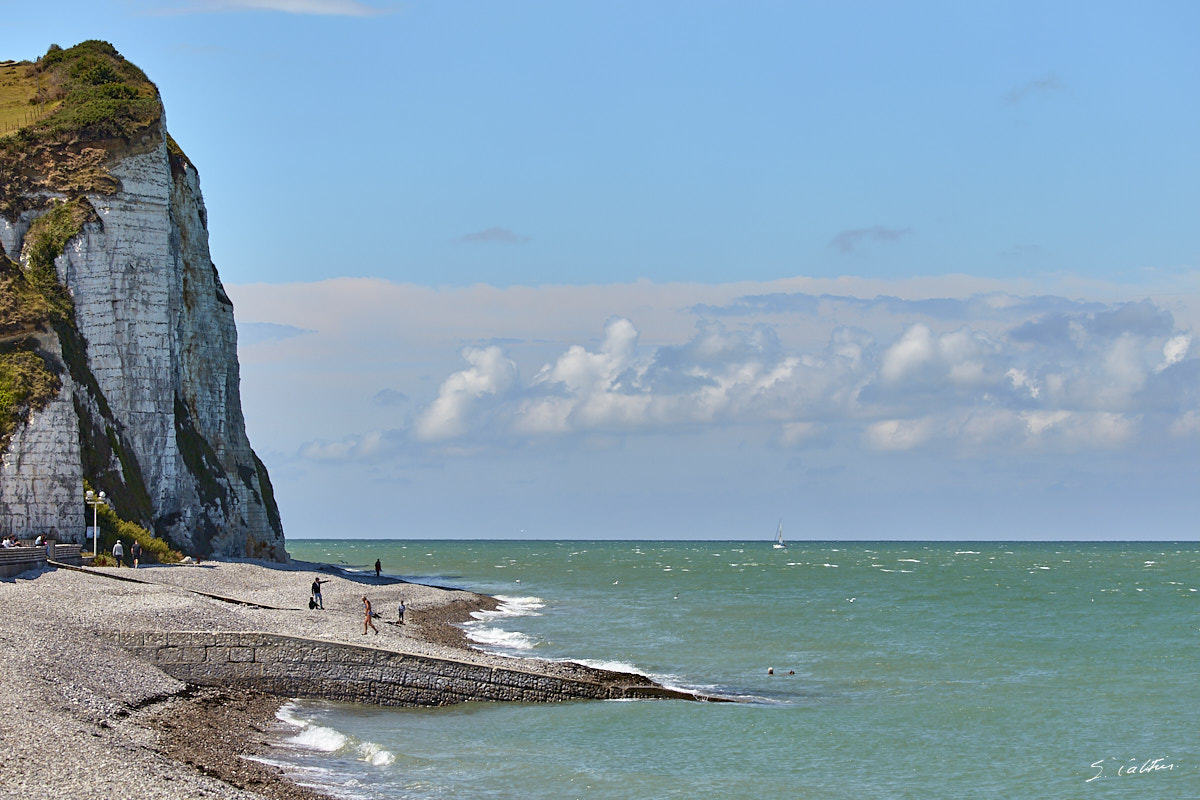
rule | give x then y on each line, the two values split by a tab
118	552
316	591
367	623
378	567
400	614
135	552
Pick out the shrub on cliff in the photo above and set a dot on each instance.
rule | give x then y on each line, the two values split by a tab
45	242
112	528
27	383
103	95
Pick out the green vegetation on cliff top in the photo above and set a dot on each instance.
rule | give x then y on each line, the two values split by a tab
62	120
89	91
61	117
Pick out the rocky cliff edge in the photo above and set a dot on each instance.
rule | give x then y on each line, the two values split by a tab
118	351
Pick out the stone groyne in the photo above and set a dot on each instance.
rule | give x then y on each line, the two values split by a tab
290	666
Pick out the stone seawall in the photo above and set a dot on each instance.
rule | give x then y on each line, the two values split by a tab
295	667
15	560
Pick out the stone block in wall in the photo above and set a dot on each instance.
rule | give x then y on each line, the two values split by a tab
240	654
169	655
129	639
216	653
188	639
193	654
154	639
229	639
245	669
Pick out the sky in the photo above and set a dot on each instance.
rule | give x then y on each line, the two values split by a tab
682	270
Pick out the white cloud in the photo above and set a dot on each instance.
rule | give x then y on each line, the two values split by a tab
1072	431
352	449
1022	381
983	373
899	434
491	374
1187	425
1174	351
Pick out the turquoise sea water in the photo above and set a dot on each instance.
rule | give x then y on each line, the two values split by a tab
921	670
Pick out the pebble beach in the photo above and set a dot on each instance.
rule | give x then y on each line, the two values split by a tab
82	718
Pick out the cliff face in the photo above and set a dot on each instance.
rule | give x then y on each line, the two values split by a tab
149	406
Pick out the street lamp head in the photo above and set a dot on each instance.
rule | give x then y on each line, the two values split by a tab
102	496
89	494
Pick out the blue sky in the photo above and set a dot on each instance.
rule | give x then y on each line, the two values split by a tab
677	270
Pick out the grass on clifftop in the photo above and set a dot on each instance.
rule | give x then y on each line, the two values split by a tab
61	116
89	91
19	105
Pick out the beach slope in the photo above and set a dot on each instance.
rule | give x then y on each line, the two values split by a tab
82	716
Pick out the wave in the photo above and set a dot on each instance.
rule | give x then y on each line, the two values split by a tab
498	637
611	666
322	739
512	607
491	637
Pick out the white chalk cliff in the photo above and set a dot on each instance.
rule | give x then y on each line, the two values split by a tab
149	408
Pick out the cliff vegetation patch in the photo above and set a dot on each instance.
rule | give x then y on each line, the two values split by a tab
80	104
27	381
45	242
26	385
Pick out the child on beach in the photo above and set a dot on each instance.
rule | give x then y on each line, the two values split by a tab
367	623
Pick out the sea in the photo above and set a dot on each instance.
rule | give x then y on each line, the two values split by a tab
864	670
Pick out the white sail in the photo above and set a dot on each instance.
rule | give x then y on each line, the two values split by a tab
779	543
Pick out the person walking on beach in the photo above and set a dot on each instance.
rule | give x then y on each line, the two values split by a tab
118	552
400	614
135	552
316	591
367	623
378	567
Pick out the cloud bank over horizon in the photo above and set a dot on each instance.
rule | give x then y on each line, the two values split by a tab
978	375
953	392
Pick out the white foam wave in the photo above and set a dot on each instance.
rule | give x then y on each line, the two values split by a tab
310	735
497	637
318	737
287	715
611	666
375	755
512	607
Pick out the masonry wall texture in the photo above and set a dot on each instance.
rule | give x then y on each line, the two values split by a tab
150	406
294	667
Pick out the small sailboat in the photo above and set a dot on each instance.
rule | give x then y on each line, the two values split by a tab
779	543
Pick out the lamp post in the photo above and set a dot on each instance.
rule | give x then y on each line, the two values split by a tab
95	502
